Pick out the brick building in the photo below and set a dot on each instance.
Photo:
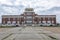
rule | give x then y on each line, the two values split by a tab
29	17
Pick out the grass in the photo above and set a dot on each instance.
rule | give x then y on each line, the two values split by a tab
7	26
48	26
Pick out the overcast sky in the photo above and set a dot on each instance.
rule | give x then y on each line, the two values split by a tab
38	5
43	3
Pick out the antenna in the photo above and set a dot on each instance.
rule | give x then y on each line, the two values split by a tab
29	5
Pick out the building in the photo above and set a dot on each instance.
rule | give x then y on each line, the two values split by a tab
29	17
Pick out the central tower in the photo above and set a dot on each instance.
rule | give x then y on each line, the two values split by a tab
29	12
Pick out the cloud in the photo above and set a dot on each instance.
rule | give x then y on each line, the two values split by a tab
40	6
31	3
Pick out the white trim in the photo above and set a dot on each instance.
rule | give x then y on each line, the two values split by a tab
39	22
44	22
17	22
52	21
49	22
13	22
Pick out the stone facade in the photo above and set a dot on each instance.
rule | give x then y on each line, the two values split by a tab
29	17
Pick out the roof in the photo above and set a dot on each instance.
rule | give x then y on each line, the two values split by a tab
46	16
11	16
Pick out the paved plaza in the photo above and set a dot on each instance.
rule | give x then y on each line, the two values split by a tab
28	33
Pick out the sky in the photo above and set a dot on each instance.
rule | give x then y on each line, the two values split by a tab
42	7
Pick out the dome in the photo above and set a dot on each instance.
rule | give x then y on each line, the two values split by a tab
29	9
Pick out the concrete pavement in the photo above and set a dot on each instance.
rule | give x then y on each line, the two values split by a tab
29	33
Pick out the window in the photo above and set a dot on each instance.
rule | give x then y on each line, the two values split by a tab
39	21
14	22
52	21
29	13
8	22
46	18
49	22
29	17
8	19
18	22
29	22
3	22
13	18
44	21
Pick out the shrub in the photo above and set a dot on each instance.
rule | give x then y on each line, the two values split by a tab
51	25
41	25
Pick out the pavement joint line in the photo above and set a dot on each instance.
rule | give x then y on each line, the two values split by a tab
51	36
13	38
7	36
44	37
21	28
